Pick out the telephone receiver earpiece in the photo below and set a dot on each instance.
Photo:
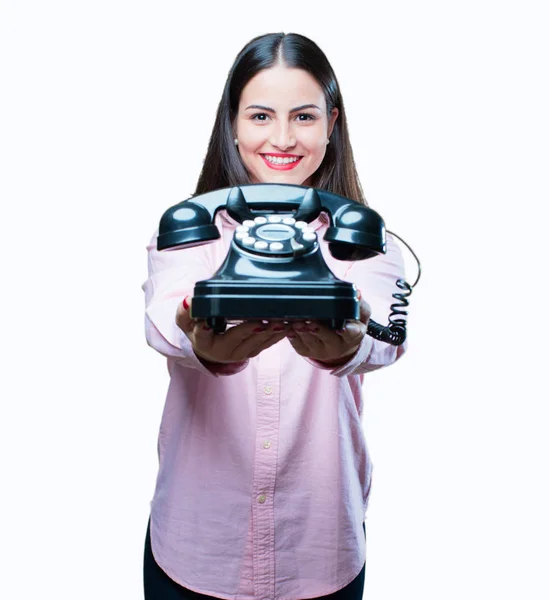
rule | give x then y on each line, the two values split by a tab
356	232
275	255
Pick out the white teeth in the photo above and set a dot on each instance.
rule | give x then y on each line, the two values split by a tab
278	160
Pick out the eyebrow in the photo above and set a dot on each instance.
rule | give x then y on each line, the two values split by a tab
266	108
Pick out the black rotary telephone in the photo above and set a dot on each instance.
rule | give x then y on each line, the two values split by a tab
274	268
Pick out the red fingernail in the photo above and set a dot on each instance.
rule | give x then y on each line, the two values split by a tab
258	329
185	303
206	328
278	328
358	294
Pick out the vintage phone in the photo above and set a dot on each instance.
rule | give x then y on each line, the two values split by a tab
274	268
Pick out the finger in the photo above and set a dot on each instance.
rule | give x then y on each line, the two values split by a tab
237	343
298	345
203	335
326	336
335	343
317	337
308	343
265	343
238	334
298	325
259	337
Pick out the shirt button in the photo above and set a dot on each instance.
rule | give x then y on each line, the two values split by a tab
267	389
261	499
267	444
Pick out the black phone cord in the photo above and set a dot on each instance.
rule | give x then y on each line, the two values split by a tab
395	332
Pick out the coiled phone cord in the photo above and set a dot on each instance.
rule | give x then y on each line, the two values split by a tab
396	331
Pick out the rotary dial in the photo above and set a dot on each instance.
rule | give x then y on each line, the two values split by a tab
275	236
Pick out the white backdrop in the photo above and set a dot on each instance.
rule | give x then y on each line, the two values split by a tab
106	111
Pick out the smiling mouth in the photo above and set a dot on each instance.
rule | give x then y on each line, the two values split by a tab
280	162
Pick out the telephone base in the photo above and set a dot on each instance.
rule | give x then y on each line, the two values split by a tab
218	301
219	324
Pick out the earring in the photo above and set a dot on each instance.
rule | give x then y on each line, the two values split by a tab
328	140
236	142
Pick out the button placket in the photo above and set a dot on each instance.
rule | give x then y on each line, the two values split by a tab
265	466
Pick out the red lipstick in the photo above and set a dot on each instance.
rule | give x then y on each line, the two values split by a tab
281	167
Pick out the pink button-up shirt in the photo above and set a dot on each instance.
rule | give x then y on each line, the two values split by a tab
264	473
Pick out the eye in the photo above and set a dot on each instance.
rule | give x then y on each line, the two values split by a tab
309	117
255	117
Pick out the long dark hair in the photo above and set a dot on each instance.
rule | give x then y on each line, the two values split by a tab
223	166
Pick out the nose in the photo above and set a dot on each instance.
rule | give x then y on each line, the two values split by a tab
283	137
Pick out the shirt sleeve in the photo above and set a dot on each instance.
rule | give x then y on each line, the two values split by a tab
172	275
376	278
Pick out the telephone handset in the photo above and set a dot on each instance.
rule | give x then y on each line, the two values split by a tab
274	267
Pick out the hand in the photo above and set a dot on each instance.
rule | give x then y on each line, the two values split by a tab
236	344
329	346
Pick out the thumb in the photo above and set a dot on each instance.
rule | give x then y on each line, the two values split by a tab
365	310
183	315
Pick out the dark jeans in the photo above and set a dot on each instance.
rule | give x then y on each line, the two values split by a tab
158	586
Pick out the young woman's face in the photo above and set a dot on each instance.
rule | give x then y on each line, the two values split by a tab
282	126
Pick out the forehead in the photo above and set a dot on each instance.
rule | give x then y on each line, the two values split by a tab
282	87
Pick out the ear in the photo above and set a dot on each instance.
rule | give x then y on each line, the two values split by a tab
333	116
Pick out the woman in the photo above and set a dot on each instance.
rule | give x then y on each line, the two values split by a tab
264	474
